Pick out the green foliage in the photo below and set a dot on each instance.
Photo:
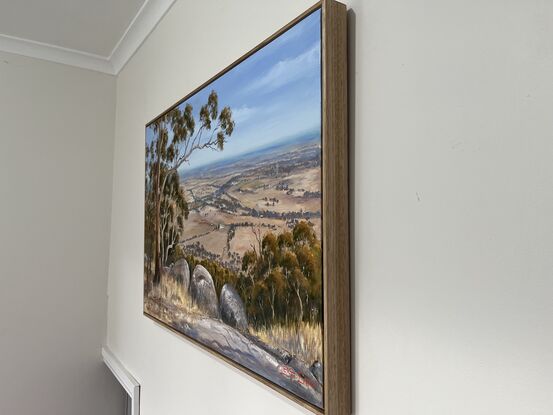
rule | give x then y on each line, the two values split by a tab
175	254
281	279
177	137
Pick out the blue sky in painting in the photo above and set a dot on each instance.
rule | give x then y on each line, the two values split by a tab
274	95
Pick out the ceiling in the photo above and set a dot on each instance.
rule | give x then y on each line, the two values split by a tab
94	34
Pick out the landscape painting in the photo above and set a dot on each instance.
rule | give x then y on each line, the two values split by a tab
233	201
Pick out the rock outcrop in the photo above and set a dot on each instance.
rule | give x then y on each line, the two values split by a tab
241	349
202	291
245	350
317	370
232	308
181	273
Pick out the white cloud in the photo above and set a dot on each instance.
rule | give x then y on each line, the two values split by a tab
242	113
289	70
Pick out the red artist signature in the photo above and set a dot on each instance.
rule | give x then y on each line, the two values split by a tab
290	373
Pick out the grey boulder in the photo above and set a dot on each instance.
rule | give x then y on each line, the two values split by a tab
232	308
181	273
317	370
202	291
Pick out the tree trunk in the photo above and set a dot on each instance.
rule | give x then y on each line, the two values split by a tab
301	305
157	213
170	244
162	245
273	304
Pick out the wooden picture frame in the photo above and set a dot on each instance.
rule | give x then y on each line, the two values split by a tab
334	216
337	346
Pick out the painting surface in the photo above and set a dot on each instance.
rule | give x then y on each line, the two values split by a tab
232	252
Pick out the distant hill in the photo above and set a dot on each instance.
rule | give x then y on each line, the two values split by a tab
271	151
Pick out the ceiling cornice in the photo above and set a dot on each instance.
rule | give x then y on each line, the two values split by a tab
143	23
54	53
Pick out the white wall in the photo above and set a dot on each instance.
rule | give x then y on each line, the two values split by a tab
452	206
56	133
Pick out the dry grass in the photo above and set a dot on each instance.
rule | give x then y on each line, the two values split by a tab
173	292
304	340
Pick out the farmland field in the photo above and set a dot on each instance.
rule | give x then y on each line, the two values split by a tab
267	190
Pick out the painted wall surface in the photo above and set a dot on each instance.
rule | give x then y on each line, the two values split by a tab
452	206
55	185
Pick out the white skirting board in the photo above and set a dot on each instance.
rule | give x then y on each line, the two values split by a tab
129	383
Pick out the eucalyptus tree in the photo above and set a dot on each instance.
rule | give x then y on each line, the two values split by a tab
177	137
174	212
284	278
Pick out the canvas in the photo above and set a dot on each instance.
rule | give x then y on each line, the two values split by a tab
233	255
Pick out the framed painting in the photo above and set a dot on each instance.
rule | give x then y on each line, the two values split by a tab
246	244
